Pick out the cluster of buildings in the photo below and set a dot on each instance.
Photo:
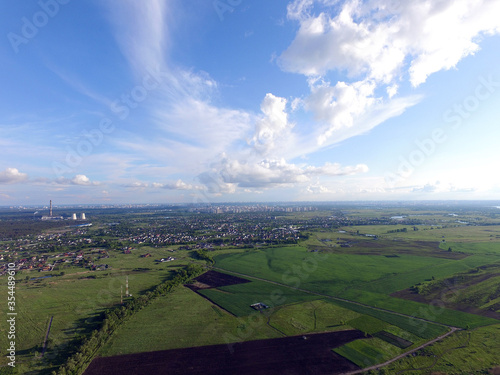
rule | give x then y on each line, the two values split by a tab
51	216
227	208
32	263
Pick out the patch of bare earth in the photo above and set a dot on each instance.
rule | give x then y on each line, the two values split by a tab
297	355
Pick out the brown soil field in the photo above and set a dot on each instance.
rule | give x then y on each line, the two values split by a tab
214	279
297	355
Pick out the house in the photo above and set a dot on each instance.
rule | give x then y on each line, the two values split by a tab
259	306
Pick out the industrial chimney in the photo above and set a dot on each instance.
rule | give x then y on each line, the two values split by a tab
50	209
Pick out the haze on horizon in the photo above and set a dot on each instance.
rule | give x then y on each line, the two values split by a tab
306	100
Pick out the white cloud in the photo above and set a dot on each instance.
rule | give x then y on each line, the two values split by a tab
347	110
318	189
178	185
12	176
439	187
376	38
273	129
392	90
216	184
141	30
175	185
229	174
136	185
298	8
379	44
340	105
324	43
427	188
198	122
335	169
81	179
463	189
189	129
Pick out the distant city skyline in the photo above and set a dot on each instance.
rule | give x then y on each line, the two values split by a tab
249	101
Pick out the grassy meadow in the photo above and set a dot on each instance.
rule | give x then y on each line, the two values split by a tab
463	352
75	298
336	279
182	319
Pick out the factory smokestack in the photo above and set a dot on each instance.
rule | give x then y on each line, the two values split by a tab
50	209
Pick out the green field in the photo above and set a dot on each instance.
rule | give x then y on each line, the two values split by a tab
178	320
237	298
463	352
367	279
425	330
368	352
329	281
323	273
74	300
313	316
368	324
460	233
487	248
434	312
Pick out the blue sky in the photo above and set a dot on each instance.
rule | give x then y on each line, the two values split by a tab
238	100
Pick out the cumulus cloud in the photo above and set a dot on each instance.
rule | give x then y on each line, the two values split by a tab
379	44
427	188
136	185
216	183
175	185
178	185
340	105
273	128
79	179
12	176
455	189
325	43
335	169
317	189
229	174
186	118
378	38
349	109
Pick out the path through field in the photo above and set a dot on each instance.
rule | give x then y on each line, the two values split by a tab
46	337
